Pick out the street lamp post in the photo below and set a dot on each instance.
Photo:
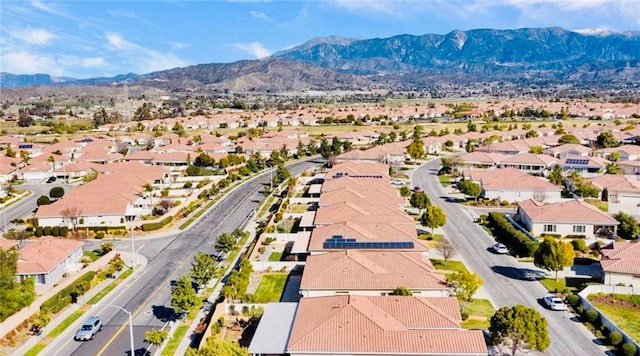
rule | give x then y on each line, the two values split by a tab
133	251
130	315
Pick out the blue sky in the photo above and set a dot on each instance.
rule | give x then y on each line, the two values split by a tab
83	39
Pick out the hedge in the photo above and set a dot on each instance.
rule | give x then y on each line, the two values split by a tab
69	294
157	225
508	234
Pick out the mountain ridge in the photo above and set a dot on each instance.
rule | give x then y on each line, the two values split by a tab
526	55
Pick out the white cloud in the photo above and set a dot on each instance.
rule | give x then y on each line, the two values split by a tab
595	31
177	45
36	36
260	15
145	59
116	41
22	62
256	49
85	62
46	8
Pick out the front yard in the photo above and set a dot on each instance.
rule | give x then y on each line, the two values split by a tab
454	266
479	311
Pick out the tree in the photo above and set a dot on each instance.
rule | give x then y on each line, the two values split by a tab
470	188
40	320
203	268
10	152
433	217
14	294
217	347
25	156
519	328
183	296
405	192
606	139
569	138
43	200
464	285
447	249
56	192
628	228
612	168
71	216
556	175
403	291
419	200
155	336
554	255
536	149
416	150
225	243
325	148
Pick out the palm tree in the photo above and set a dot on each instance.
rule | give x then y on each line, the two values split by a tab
612	168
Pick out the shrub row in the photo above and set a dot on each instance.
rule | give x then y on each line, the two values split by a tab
56	231
157	225
69	294
508	234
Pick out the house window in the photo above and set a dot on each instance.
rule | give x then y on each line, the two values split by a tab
40	279
550	228
579	229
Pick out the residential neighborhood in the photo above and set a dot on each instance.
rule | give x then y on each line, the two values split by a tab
363	251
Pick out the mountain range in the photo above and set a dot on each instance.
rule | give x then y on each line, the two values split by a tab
529	55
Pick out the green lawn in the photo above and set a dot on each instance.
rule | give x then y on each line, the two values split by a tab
91	254
275	256
482	324
65	323
36	349
173	343
445	180
298	208
455	266
622	317
480	308
602	205
270	288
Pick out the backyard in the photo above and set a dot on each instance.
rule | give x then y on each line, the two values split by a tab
270	287
620	309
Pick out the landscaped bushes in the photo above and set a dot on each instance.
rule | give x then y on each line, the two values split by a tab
508	234
69	294
157	225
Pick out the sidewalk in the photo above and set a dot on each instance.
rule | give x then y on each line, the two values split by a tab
127	257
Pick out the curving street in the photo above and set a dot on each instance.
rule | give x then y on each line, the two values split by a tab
506	281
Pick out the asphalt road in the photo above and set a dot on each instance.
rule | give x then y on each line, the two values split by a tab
506	281
25	206
148	296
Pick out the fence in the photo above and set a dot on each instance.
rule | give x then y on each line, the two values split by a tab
608	289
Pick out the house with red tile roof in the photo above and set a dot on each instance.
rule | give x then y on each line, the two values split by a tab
630	168
47	259
382	325
513	185
568	149
624	152
379	272
354	169
537	164
513	147
572	217
621	263
479	159
114	197
9	168
621	192
323	238
587	166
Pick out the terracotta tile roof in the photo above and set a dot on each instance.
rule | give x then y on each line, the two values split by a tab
621	257
509	179
590	162
569	147
6	244
530	158
363	232
354	168
616	183
357	184
478	157
370	270
42	255
382	325
388	196
348	211
566	212
628	149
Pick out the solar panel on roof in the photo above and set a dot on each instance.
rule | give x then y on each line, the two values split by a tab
577	161
337	242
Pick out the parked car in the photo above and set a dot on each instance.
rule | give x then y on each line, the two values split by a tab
554	302
89	329
500	248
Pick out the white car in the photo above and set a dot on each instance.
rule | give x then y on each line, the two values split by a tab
553	302
500	248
